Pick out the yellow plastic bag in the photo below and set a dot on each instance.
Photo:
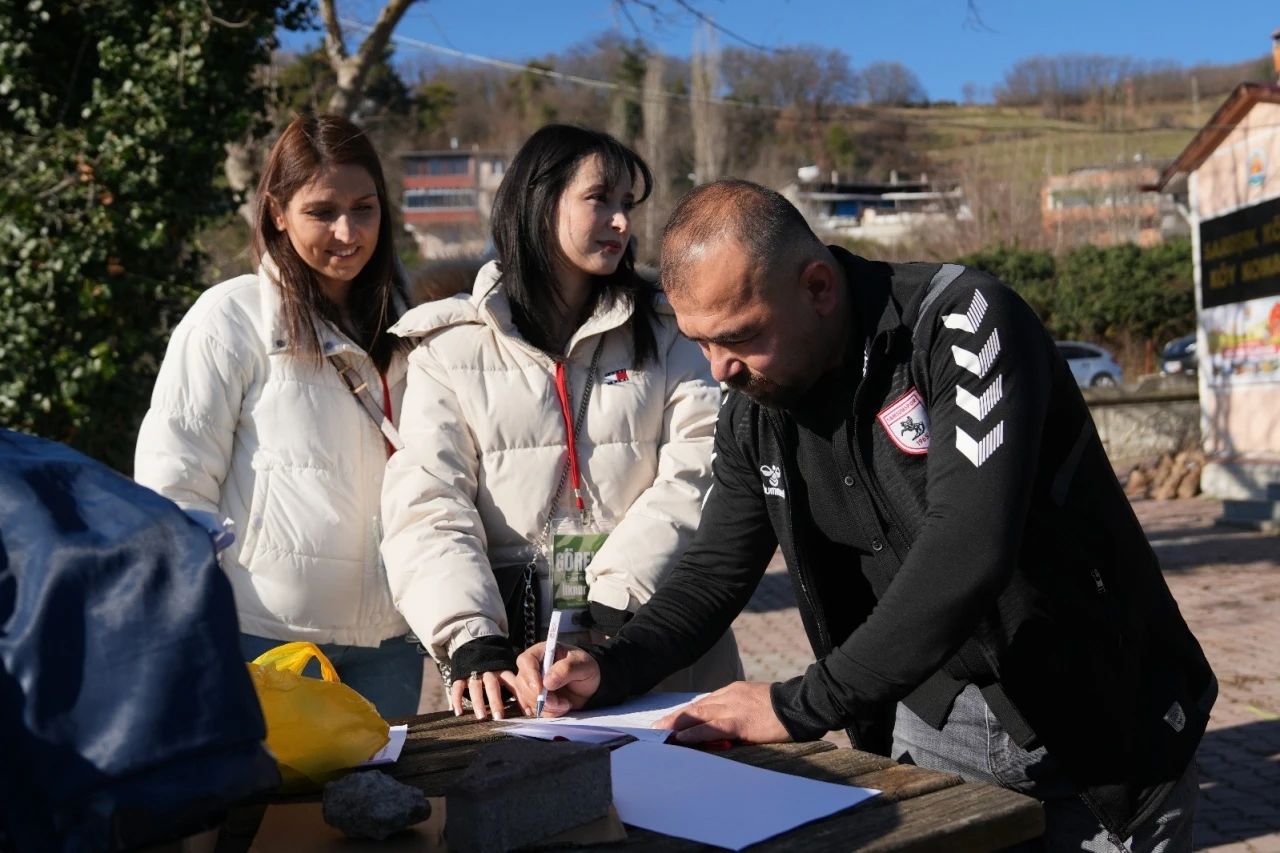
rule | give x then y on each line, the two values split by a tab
315	728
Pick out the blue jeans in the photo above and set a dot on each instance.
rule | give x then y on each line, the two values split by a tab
389	676
973	744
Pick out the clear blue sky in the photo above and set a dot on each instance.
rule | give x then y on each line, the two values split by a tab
930	36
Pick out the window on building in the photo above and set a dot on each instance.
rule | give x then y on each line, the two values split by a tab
448	165
498	167
460	165
1072	197
439	199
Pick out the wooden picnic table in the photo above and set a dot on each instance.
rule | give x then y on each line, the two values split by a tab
919	810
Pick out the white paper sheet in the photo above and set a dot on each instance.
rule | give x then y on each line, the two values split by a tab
577	734
390	753
638	713
540	730
691	794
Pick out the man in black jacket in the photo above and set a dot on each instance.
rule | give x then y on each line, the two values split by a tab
910	438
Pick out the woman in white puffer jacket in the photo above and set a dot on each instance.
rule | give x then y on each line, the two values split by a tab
251	421
486	433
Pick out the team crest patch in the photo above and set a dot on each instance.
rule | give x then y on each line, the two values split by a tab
616	377
907	423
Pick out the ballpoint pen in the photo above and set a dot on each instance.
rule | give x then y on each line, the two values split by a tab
548	657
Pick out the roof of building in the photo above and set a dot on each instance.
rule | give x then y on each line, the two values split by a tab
1218	128
1158	163
876	188
453	152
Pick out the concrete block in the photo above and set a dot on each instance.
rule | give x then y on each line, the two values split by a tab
1241	479
518	792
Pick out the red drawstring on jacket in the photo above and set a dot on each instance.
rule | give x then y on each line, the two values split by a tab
562	391
386	407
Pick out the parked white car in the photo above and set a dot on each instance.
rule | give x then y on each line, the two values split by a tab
1092	366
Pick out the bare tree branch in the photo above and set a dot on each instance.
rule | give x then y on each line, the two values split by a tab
626	12
214	19
655	11
353	70
973	18
334	44
710	22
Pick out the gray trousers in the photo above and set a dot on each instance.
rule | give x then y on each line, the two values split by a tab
973	744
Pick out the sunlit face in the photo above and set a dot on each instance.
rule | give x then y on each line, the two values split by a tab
333	222
761	338
593	220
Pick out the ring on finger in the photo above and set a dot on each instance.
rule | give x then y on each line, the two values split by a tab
475	676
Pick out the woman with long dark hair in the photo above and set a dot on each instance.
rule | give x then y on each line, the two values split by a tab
275	408
558	431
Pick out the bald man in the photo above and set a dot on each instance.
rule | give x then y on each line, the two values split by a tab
959	546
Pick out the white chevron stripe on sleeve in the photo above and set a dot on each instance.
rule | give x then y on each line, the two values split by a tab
971	320
979	363
978	452
980	407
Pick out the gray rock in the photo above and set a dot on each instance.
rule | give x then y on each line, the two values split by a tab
373	805
518	792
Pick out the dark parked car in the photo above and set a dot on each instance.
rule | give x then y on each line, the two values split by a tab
1180	357
1092	366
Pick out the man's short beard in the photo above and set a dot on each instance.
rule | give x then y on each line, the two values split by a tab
766	392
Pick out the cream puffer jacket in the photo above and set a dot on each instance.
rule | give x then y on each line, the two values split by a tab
239	429
485	444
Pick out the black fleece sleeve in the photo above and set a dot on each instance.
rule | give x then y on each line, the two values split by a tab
989	370
483	654
706	590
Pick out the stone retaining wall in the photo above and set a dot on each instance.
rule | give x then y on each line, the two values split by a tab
1139	426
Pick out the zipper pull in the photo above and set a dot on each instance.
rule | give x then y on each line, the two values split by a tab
1097	581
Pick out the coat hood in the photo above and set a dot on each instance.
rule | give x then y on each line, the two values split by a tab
488	305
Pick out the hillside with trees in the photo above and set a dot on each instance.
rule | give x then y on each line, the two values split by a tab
761	115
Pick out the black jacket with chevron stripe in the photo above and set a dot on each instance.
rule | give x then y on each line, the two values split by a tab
1004	552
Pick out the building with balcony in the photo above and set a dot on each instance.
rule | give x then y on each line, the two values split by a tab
882	212
1109	205
448	195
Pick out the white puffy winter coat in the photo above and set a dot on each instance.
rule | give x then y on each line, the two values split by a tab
241	430
485	444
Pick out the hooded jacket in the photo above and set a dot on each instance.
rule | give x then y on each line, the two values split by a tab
238	428
485	445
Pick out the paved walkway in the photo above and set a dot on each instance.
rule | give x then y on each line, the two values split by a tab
1227	584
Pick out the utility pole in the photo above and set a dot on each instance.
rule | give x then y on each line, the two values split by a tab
1195	100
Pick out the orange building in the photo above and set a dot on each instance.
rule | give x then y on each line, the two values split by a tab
1108	205
447	198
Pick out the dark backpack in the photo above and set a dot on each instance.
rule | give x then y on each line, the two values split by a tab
127	716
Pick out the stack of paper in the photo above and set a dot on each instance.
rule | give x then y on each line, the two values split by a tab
688	793
635	718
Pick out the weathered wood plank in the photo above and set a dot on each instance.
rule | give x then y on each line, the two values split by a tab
769	754
899	782
841	766
920	810
968	817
